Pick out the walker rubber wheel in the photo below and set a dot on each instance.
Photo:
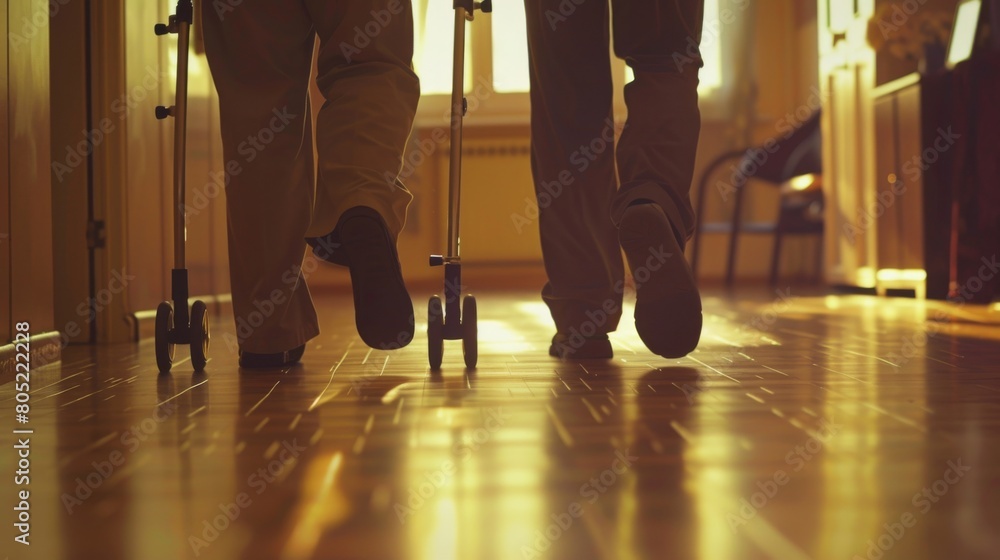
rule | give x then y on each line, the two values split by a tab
470	332
435	332
164	325
199	335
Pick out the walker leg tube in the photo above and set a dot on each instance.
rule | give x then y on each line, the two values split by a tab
185	14
457	112
179	294
452	301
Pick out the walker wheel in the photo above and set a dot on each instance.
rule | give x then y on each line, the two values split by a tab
435	332
199	335
164	326
470	332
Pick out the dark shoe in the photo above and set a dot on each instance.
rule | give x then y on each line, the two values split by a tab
328	248
668	306
383	310
578	347
250	360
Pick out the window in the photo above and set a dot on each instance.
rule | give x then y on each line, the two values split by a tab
496	61
434	34
509	47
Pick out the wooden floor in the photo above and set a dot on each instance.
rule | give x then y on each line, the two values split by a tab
803	427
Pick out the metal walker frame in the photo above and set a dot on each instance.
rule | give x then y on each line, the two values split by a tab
174	323
455	321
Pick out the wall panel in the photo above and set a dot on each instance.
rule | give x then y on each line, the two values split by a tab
70	197
28	164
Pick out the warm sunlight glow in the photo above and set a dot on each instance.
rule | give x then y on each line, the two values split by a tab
964	34
326	507
895	275
866	277
802	182
434	37
510	50
503	336
536	310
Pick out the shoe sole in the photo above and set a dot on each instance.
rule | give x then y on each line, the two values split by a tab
383	310
668	305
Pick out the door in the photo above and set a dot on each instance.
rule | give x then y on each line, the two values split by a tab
846	79
71	172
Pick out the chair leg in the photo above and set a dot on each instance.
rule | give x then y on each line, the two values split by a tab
776	257
731	258
734	236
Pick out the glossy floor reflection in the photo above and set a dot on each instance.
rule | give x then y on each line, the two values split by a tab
803	427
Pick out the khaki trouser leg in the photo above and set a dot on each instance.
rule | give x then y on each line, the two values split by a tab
371	92
572	140
260	55
656	152
572	160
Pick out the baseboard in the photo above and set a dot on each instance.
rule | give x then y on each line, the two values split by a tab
45	348
144	322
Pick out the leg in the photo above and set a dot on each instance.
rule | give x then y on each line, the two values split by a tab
736	223
371	97
656	153
572	141
365	75
260	56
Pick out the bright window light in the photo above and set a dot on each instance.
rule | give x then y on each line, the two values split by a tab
963	35
510	49
434	34
711	48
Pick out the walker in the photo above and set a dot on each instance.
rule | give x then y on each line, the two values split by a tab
174	325
454	322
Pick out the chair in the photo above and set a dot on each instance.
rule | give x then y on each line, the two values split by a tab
776	163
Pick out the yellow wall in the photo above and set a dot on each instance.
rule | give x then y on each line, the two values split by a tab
26	220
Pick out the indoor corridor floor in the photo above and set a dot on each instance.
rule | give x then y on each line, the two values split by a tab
804	426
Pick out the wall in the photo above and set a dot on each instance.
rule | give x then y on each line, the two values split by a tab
25	220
